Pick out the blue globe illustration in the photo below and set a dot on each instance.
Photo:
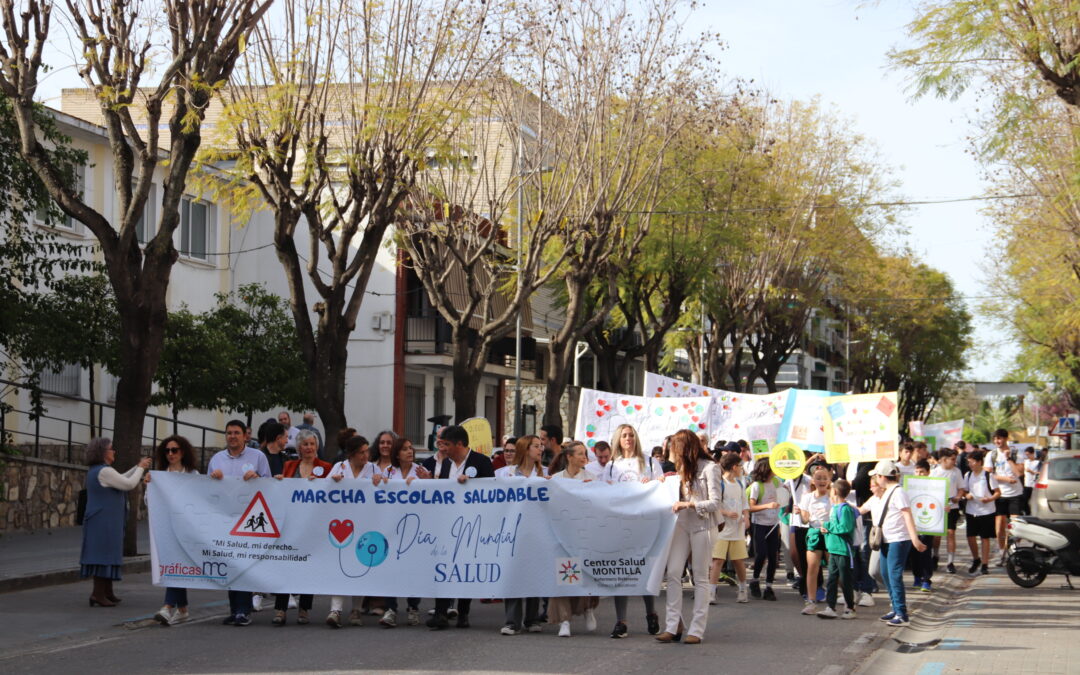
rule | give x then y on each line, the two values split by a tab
372	548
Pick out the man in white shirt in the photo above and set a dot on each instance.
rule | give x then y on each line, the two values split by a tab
1009	476
603	468
1032	469
982	491
946	468
238	461
286	421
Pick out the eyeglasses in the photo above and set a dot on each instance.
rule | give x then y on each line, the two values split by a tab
171	449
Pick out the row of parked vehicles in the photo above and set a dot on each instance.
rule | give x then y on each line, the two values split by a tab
1048	541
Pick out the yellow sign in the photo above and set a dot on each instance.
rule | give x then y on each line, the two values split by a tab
479	435
787	460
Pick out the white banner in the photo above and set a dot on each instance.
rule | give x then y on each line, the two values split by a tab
600	414
488	538
754	418
660	386
941	435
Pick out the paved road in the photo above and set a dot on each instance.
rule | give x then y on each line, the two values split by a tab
53	630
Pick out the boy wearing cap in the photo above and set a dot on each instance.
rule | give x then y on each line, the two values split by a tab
891	512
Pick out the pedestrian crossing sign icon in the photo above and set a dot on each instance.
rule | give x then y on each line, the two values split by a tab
257	520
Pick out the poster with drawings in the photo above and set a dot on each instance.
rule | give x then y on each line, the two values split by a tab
941	435
929	498
755	418
860	427
600	413
659	386
804	419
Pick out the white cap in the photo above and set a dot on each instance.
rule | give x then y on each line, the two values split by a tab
886	467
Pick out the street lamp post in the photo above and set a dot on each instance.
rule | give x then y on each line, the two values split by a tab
519	419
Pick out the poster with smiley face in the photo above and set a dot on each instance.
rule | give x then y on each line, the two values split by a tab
928	496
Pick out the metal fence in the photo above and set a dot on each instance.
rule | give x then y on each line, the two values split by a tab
66	445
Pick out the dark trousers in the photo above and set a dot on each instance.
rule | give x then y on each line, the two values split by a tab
391	603
176	597
800	547
281	601
240	602
766	540
518	609
922	564
443	605
1025	507
840	575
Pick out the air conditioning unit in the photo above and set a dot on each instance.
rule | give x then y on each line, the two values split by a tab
382	321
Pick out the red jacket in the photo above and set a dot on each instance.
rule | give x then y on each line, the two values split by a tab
292	468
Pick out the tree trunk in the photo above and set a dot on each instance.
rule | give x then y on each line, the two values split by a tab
328	382
557	377
466	378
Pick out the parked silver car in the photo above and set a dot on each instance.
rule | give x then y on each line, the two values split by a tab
1057	492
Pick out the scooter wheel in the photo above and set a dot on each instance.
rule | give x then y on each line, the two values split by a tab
1024	570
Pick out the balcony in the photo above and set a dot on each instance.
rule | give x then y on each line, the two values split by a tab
431	335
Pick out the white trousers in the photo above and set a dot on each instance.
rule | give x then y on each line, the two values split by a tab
683	545
337	602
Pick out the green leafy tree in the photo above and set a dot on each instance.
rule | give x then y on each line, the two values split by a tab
194	367
264	365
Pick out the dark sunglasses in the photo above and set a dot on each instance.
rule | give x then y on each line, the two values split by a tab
171	449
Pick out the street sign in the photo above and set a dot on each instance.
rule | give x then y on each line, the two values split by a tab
1065	426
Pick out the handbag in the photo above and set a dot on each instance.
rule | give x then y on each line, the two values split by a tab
875	530
80	507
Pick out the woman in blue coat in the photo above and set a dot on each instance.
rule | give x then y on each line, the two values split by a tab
103	525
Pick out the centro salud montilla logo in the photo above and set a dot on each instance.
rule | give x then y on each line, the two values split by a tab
569	572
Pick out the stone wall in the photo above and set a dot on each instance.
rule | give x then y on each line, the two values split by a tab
533	394
38	493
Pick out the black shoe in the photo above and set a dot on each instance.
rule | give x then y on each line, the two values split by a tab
438	622
769	595
619	631
653	622
229	620
951	568
974	566
243	619
755	589
934	563
462	621
985	569
791	575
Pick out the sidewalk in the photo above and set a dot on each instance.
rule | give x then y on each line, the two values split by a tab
986	624
47	557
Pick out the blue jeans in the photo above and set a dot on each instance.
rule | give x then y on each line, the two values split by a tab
176	597
893	557
240	602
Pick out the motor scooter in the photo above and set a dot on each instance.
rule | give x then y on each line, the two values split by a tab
1053	548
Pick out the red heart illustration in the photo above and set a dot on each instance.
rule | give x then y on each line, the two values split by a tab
625	402
733	399
341	530
727	407
599	413
637	407
599	401
675	384
685	405
589	433
701	425
659	389
608	408
674	408
695	418
736	426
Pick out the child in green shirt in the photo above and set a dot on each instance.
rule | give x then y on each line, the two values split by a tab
838	531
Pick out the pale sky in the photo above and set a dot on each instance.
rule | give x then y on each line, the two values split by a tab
836	50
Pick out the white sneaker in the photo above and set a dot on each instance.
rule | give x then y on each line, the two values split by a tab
451	613
712	594
564	629
865	600
164	615
809	608
848	614
508	630
534	628
179	616
742	597
389	619
827	613
414	617
257	602
292	602
590	621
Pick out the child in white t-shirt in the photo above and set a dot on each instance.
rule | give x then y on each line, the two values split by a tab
730	543
982	491
946	468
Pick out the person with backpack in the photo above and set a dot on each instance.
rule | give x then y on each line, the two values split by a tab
814	509
763	498
982	492
839	532
893	534
730	544
1009	477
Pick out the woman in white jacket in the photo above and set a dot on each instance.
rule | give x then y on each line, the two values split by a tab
699	499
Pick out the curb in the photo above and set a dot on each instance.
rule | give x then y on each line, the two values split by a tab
133	565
